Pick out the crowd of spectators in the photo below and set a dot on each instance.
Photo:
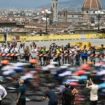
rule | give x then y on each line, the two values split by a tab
68	54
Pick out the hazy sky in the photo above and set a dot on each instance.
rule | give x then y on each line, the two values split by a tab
24	3
31	4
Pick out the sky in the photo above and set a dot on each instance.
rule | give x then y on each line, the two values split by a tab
24	3
29	4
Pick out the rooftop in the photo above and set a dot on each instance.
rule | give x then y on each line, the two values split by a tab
92	5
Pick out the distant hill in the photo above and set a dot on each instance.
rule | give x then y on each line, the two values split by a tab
72	4
76	4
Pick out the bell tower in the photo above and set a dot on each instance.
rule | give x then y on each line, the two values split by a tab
54	9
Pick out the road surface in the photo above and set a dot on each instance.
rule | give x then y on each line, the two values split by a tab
64	42
12	99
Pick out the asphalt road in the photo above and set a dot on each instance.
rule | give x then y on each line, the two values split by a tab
64	42
37	103
12	99
47	43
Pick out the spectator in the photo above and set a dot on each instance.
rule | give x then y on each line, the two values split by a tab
84	56
52	96
93	92
21	98
77	58
21	50
67	95
27	53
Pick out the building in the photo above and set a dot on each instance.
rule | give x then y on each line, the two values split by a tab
54	9
91	5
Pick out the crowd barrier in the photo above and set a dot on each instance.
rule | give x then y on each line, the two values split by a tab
8	55
26	38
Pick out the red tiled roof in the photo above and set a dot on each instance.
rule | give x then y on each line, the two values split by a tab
92	5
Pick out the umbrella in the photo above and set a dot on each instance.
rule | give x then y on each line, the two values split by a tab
103	90
80	72
75	77
73	69
101	73
66	73
70	81
101	86
83	78
27	76
63	67
74	84
8	67
9	72
98	64
103	78
18	69
85	67
102	67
